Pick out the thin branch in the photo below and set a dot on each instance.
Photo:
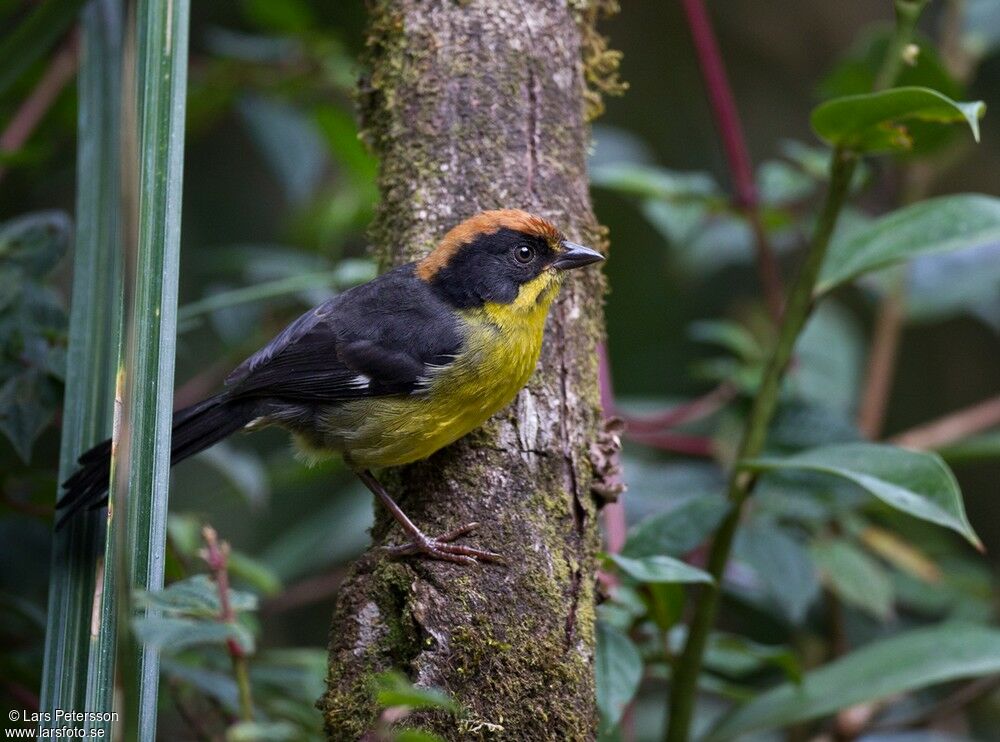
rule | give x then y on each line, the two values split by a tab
696	409
907	13
953	427
727	121
62	68
881	363
688	445
216	555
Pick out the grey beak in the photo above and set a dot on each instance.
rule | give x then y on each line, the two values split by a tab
575	256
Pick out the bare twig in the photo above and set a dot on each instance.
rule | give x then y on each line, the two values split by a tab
688	445
216	555
952	427
57	75
881	363
727	120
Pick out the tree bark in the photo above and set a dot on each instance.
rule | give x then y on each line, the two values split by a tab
469	106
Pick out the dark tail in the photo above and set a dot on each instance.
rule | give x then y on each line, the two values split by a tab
195	428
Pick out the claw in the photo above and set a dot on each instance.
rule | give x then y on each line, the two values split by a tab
441	548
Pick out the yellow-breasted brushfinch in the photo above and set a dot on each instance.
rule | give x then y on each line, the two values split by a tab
390	371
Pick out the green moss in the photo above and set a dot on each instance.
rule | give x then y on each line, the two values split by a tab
601	63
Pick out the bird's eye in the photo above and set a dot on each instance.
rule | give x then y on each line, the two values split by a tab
524	253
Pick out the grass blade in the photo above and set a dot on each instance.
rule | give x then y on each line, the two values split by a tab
95	318
153	149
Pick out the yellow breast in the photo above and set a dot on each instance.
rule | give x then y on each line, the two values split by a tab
501	350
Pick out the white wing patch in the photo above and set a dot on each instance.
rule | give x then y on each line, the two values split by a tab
361	381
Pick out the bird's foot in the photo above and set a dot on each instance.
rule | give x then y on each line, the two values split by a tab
442	548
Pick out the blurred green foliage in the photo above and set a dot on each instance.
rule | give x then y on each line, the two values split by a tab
833	596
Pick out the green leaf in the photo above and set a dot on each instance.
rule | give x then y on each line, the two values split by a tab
738	656
664	603
942	285
854	576
655	183
855	73
659	569
218	685
27	404
904	663
34	242
782	566
984	447
731	336
617	671
829	360
394	689
290	144
678	530
172	634
781	183
196	596
875	122
916	483
937	225
255	573
258	731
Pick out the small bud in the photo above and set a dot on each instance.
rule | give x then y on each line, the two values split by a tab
910	54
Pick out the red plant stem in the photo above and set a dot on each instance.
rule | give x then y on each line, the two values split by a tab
690	445
696	409
727	121
216	555
29	114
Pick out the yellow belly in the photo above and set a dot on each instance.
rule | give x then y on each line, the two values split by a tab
497	360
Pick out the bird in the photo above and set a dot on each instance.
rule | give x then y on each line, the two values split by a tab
392	370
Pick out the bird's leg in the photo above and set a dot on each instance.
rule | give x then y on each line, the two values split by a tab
436	548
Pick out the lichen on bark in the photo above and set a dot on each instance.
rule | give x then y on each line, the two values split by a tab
470	106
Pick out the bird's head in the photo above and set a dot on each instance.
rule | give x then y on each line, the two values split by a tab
505	257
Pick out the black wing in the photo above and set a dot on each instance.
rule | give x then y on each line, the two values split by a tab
373	340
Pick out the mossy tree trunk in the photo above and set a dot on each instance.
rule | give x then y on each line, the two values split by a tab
471	106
